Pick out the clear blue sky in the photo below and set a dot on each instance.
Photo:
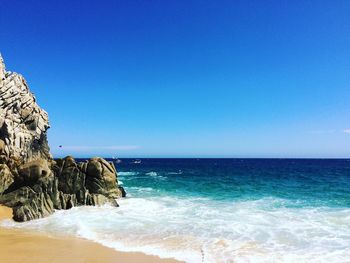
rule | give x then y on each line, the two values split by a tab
186	78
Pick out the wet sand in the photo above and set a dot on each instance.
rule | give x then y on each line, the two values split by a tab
23	246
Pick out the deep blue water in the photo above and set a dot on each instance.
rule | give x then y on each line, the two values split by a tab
308	182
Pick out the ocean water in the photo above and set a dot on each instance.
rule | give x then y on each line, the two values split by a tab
221	210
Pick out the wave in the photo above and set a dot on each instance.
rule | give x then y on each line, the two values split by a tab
175	173
127	173
155	175
205	230
139	189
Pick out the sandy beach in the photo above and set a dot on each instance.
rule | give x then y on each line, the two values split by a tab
20	246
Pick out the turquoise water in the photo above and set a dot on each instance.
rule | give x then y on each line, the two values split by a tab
302	182
221	210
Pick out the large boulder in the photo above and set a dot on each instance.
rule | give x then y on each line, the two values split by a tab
31	172
71	179
32	202
101	178
93	182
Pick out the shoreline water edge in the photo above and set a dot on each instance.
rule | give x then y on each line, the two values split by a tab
220	210
18	245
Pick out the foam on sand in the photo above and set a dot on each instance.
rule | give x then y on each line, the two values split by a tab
199	229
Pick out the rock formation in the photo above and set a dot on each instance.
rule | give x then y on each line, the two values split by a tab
31	182
23	124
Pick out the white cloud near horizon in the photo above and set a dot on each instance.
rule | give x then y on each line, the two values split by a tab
322	131
329	131
99	148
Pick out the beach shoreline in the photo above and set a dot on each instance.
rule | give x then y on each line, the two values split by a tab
19	246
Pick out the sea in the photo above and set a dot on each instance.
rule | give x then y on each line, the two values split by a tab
220	210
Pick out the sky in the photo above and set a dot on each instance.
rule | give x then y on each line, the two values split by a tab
186	78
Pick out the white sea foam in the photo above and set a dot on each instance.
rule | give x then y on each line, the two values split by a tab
155	175
127	173
152	174
203	230
175	173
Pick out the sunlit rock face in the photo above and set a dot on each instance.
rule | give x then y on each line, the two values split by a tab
23	124
31	182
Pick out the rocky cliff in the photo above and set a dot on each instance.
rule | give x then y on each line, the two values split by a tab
23	124
31	182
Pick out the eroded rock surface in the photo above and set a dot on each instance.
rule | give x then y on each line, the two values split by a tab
31	182
23	124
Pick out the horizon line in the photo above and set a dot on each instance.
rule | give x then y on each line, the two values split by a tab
184	157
